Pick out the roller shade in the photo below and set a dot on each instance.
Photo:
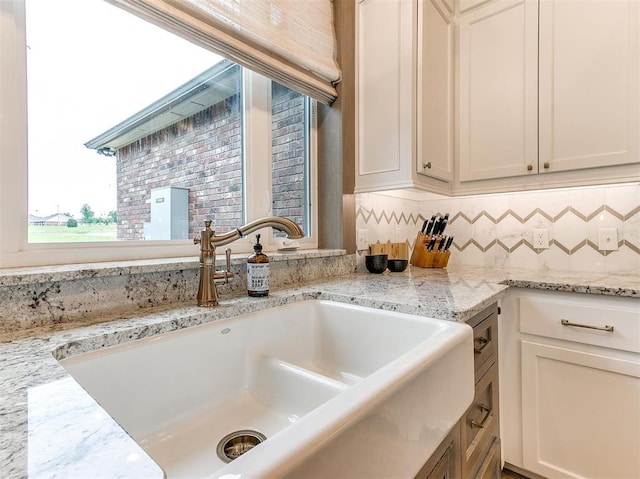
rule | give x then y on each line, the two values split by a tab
289	41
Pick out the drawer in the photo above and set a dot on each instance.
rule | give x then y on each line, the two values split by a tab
582	322
485	343
480	424
491	467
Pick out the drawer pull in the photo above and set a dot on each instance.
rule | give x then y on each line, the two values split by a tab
484	343
566	322
481	424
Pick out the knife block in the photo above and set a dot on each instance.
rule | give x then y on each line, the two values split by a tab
428	259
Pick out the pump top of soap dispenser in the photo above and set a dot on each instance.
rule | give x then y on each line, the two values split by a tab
258	256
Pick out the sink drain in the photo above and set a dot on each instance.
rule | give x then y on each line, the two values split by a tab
237	443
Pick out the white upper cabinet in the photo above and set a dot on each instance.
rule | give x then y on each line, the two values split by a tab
482	96
405	95
549	93
386	63
589	84
435	89
498	68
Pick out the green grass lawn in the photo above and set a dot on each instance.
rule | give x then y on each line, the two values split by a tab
62	234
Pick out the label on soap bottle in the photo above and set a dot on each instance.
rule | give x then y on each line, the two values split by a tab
258	277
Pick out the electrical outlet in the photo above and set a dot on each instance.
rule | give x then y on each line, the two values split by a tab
541	238
607	239
362	239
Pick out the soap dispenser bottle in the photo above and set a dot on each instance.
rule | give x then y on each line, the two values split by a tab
258	271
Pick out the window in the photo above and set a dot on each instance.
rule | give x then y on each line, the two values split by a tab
290	149
226	142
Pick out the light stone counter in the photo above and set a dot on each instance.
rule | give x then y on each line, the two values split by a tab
41	296
49	427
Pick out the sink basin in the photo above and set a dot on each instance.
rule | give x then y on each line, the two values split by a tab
338	390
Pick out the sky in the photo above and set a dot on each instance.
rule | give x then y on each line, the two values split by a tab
90	66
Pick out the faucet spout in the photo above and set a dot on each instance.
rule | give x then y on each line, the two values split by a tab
291	229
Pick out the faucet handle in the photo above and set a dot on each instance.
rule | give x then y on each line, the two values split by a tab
227	254
196	240
224	277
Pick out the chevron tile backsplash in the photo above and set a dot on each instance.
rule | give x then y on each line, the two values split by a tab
497	230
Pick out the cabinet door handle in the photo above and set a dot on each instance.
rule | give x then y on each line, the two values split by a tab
427	165
484	342
529	167
481	424
546	165
566	322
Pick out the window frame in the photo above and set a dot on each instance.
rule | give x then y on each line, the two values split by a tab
16	251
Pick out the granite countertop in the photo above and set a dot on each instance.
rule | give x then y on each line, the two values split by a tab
49	426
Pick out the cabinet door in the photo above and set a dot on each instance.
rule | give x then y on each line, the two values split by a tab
445	466
435	89
589	84
580	414
445	461
498	70
386	86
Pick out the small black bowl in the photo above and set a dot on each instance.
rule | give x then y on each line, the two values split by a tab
397	265
376	263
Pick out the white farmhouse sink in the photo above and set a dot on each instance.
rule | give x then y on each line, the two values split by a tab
338	390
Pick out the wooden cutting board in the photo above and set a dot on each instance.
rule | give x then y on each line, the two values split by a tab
393	250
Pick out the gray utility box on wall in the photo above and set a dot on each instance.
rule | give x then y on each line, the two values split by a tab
169	214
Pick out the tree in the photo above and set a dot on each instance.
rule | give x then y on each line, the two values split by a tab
113	216
71	223
87	214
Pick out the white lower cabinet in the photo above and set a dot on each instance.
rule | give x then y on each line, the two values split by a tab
580	413
571	392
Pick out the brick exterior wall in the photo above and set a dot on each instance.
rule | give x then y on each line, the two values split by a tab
288	145
204	154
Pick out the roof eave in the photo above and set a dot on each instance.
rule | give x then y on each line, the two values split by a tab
206	80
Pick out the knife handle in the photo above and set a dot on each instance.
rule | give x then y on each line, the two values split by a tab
433	228
432	223
443	225
449	243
